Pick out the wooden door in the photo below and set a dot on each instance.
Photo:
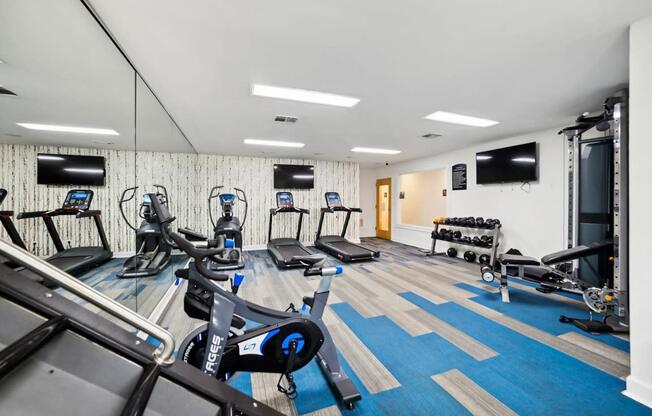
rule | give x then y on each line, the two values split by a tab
384	208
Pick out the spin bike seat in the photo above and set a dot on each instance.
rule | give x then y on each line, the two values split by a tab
309	260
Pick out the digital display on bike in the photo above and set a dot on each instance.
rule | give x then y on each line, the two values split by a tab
284	200
78	199
333	199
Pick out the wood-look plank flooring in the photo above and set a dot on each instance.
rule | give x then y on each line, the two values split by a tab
375	290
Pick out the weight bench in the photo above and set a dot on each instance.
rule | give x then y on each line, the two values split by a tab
554	278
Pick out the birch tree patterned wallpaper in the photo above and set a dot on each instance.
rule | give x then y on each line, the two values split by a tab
188	178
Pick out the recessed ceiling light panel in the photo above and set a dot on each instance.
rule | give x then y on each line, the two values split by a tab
454	118
68	129
306	96
275	143
376	151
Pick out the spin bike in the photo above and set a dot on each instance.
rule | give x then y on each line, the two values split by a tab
284	342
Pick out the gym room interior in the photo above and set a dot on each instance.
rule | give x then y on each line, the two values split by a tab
325	208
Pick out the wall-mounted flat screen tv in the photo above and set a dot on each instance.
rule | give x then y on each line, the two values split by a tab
70	170
294	176
509	164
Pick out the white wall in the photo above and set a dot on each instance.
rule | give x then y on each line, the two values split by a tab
639	383
367	191
533	215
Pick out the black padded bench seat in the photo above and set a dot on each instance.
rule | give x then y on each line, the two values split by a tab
577	252
513	259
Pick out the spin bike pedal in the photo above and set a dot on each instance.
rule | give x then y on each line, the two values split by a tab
309	300
545	290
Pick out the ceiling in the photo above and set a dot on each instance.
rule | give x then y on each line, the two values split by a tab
530	65
66	71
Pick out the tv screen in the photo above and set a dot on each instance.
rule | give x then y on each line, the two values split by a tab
294	176
70	170
509	164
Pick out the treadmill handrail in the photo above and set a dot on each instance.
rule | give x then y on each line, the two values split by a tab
163	355
275	211
30	214
89	213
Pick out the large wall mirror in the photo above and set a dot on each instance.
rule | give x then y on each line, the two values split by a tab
67	126
421	198
162	153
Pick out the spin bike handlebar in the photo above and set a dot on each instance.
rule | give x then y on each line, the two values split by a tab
199	254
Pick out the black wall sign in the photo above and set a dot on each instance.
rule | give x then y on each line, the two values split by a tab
459	177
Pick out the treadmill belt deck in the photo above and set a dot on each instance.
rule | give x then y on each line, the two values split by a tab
350	248
289	251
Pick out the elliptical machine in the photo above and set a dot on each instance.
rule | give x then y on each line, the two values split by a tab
229	227
154	251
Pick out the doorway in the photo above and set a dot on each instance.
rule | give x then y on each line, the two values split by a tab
384	208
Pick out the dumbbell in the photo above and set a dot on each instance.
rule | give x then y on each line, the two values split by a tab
469	256
486	240
487	274
466	239
451	252
479	222
484	259
457	235
476	241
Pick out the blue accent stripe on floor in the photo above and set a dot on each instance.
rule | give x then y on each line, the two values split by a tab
529	377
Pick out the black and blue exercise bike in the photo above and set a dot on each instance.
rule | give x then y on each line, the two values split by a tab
283	342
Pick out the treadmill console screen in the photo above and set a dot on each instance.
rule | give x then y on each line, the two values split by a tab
284	200
333	200
78	199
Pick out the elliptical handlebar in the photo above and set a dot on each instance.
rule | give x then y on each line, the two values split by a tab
212	195
242	196
165	193
123	200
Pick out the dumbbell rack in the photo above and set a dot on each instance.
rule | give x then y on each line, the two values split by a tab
494	247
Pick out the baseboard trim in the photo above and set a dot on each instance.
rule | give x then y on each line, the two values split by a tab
639	391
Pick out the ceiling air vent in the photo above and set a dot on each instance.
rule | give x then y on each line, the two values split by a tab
285	119
4	91
431	136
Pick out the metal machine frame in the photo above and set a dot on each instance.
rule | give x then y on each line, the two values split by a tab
64	315
618	129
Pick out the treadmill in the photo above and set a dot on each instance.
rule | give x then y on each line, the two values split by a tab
282	250
337	245
8	224
75	260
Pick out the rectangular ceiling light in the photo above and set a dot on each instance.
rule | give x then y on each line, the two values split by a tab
305	96
276	143
83	170
69	129
524	160
460	119
49	157
377	151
